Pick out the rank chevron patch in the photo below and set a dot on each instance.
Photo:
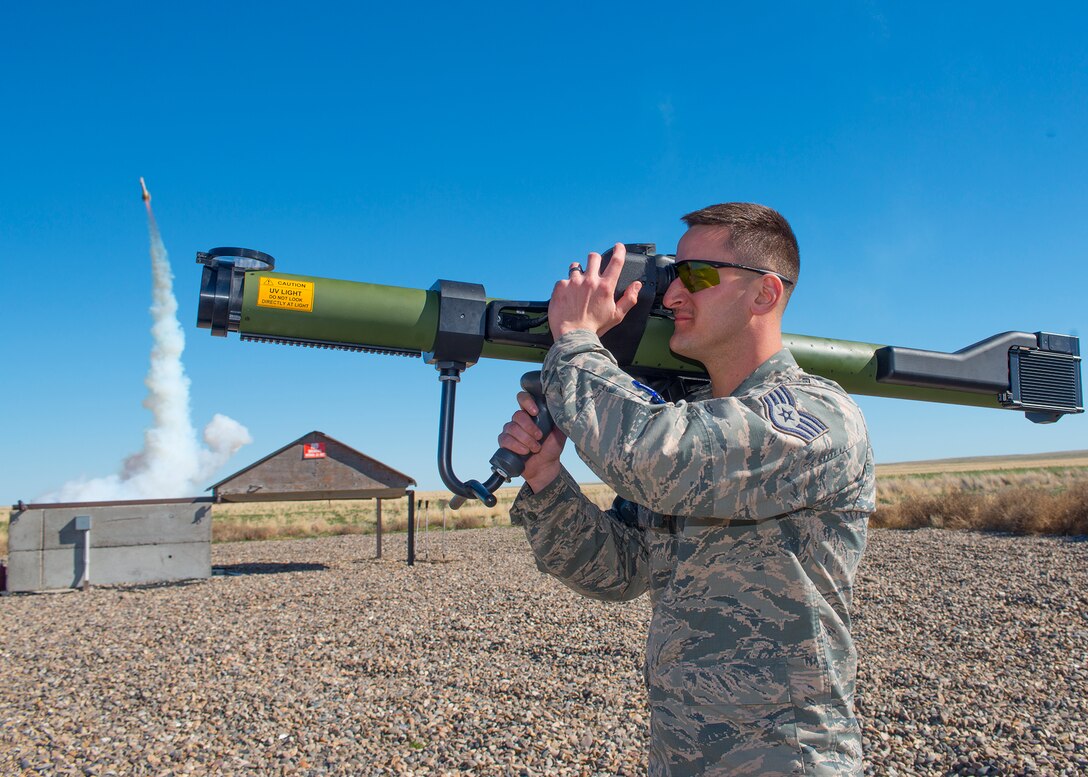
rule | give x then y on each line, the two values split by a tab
784	416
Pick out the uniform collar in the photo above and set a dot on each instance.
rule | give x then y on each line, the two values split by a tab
779	364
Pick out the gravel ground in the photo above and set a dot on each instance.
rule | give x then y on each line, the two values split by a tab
310	657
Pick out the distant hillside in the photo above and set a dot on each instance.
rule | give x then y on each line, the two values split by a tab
987	463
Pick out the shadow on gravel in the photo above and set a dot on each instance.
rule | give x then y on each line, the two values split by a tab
233	570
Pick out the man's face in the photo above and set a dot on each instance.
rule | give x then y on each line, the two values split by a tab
708	322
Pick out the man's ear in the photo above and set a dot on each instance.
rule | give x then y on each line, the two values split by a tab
771	290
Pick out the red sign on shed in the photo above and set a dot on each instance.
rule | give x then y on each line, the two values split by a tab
313	450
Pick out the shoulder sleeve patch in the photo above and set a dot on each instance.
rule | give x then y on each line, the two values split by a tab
780	407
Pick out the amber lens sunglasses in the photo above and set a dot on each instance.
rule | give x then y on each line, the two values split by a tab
697	275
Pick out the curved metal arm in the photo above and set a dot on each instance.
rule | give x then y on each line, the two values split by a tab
450	375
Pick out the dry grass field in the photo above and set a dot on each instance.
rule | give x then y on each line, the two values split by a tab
269	520
1039	494
1029	494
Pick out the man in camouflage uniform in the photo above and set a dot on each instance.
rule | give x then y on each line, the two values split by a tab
742	510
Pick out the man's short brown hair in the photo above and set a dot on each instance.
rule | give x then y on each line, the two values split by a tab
758	235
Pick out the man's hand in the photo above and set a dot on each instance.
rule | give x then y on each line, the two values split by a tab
587	299
522	436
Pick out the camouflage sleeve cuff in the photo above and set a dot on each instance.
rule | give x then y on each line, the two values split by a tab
530	506
578	341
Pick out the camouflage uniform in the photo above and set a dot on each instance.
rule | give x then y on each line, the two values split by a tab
745	519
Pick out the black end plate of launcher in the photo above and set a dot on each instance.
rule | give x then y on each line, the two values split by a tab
1038	373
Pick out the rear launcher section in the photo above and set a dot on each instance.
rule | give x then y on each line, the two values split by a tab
453	325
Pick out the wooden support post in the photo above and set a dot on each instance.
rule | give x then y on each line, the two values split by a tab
411	528
378	510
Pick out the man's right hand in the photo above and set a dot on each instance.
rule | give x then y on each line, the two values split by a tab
522	436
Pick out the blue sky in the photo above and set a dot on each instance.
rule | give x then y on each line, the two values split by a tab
932	158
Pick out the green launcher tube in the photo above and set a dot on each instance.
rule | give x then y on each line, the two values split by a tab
405	319
335	311
325	312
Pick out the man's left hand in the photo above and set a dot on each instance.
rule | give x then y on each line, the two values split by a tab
587	299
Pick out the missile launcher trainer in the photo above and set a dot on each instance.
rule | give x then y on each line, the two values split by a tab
453	324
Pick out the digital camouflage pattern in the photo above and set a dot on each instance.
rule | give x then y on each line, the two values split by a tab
745	518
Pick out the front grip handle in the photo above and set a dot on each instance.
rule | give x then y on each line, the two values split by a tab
505	464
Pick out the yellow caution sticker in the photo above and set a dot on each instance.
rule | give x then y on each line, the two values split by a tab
285	294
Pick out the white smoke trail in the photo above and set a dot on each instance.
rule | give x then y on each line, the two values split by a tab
172	462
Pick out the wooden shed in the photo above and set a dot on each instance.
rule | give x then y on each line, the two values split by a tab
315	466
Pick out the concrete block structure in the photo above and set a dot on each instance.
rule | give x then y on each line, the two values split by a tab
52	546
